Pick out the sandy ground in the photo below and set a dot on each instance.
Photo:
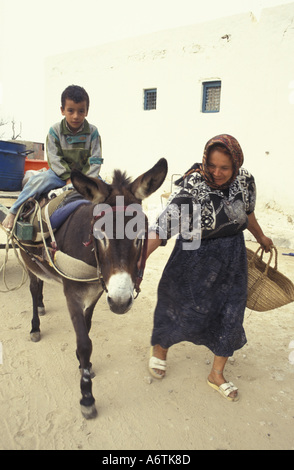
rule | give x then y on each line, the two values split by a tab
39	382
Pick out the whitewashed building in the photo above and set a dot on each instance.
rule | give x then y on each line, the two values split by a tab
167	93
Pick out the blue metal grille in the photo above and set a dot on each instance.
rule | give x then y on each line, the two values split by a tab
211	97
150	99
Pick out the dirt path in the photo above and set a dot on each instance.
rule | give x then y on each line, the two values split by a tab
39	382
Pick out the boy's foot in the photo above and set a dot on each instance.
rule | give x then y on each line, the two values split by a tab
8	221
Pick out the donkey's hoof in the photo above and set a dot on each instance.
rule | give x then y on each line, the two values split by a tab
36	336
41	311
89	412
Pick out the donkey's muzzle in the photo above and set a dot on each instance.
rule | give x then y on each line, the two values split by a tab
120	293
120	306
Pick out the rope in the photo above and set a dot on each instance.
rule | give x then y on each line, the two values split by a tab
16	243
11	239
48	254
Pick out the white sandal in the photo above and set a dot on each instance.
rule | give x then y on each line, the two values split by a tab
155	363
225	390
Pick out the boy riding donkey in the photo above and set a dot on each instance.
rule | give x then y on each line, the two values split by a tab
72	143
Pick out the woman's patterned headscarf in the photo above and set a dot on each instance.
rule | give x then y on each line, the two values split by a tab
236	154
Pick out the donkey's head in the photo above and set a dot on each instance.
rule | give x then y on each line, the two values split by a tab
119	228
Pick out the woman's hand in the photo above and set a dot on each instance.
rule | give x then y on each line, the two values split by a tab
153	243
265	242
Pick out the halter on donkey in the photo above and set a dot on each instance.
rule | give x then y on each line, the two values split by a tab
115	259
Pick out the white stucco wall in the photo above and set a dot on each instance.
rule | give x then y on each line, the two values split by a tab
255	65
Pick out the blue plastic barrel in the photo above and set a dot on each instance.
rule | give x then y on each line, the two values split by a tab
12	162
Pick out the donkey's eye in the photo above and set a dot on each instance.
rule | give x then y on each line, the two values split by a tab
139	238
138	242
100	235
104	242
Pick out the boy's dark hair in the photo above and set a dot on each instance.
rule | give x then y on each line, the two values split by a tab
75	93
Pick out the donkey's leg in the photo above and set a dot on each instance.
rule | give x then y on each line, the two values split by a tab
88	313
41	306
84	349
36	287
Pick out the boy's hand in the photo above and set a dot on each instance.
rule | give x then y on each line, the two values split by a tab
68	181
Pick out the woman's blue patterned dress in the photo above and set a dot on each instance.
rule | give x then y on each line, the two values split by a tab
202	293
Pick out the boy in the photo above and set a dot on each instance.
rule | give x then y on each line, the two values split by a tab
71	143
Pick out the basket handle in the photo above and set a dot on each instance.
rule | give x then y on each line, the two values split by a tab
272	248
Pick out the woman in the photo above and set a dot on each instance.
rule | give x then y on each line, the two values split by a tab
202	293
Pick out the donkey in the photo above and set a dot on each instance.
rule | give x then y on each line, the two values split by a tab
114	258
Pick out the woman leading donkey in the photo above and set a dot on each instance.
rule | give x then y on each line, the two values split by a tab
202	293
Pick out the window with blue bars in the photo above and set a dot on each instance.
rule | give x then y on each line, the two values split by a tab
150	96
211	97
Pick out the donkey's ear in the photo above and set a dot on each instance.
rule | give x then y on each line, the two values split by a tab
150	181
93	189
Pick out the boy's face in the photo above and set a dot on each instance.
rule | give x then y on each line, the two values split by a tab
75	113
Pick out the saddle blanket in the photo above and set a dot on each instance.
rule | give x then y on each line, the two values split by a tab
58	209
60	215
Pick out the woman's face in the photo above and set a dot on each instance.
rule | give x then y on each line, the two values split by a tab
220	167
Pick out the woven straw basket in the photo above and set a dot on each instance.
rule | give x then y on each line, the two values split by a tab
267	287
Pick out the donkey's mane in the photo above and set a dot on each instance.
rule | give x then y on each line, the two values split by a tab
120	179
